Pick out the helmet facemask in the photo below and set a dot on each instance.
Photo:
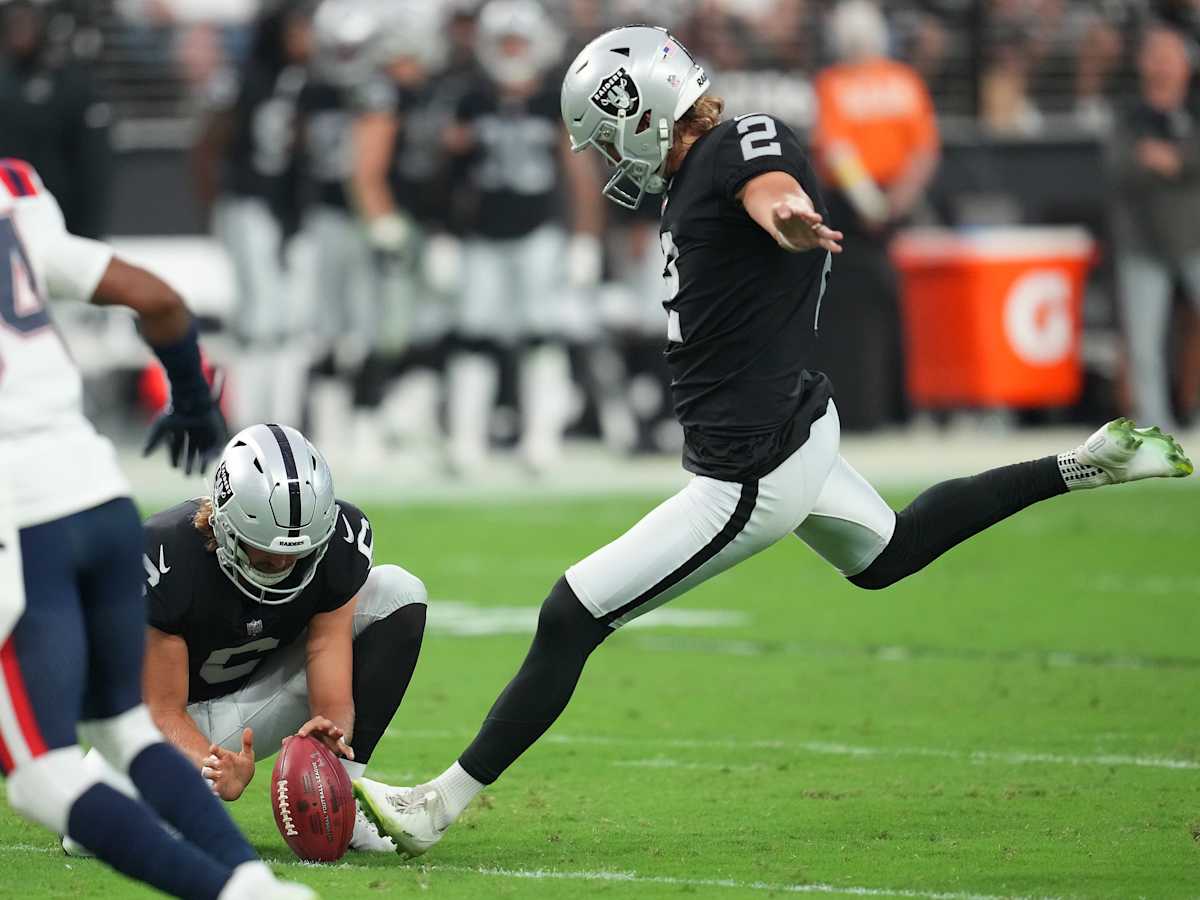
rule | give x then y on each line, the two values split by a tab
268	588
632	177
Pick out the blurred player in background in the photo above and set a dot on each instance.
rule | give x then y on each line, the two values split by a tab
246	165
518	262
748	255
72	614
401	186
340	277
51	116
877	148
258	631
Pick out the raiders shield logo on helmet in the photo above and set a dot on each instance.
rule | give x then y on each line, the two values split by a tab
617	94
222	490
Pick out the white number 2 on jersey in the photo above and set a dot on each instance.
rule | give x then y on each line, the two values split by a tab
671	279
757	132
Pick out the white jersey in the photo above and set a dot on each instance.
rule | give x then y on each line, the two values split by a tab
55	462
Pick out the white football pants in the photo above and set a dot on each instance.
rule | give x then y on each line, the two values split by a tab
340	283
712	525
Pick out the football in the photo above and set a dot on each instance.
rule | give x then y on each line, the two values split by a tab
312	800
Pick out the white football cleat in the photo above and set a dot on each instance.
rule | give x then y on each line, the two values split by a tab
407	815
1124	452
366	837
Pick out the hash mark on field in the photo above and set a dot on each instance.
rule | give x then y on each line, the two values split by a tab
828	748
1054	659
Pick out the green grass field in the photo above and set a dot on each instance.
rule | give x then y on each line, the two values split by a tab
1018	720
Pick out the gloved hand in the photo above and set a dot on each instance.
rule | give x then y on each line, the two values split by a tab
585	260
391	234
193	428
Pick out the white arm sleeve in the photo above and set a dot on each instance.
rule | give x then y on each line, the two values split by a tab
71	267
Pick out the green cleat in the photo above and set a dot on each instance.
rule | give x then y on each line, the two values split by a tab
1124	452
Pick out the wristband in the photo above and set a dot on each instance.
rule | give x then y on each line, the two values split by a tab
181	360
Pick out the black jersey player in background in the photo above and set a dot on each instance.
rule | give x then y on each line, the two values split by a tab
517	182
259	630
401	187
341	282
747	254
247	177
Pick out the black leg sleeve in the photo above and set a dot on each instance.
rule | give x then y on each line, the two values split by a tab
385	656
949	513
566	635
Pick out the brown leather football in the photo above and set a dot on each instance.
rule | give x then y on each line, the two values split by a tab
312	799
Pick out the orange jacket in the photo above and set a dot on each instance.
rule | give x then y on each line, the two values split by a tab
882	109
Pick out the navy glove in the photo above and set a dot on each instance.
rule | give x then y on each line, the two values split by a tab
192	424
194	437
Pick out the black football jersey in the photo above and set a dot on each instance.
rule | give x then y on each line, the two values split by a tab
741	311
328	117
227	633
263	149
514	169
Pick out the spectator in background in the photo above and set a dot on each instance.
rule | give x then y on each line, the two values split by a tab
877	148
1015	44
1156	199
51	116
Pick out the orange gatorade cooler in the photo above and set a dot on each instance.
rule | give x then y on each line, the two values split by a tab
992	316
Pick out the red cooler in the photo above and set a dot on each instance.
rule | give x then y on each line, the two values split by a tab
992	316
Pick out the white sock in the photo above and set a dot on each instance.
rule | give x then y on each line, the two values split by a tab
354	769
457	788
1080	476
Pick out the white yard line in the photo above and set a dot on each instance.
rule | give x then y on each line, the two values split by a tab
828	748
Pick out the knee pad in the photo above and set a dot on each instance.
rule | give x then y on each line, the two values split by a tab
121	738
44	789
388	588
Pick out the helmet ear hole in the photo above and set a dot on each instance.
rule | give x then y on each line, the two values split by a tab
644	122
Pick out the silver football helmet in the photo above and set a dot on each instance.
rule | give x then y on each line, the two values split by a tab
413	29
345	32
622	95
272	491
516	41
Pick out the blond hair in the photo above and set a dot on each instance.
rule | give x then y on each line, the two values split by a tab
202	522
702	117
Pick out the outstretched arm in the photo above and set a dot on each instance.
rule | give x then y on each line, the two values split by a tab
780	206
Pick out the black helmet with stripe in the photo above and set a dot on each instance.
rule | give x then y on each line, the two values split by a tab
272	491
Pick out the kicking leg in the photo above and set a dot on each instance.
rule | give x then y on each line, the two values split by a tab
700	532
855	530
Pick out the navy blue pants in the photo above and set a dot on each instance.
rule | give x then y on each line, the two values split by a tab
76	651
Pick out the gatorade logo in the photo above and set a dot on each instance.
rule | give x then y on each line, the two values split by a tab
1037	317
